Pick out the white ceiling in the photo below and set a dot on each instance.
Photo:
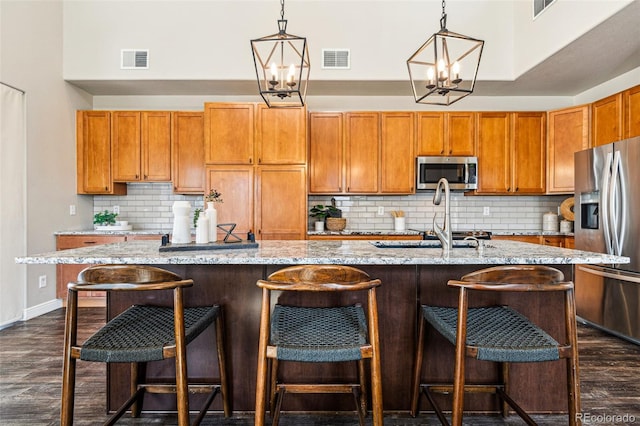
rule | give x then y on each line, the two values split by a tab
605	52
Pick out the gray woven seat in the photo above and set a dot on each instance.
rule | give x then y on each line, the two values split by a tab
140	333
318	334
500	333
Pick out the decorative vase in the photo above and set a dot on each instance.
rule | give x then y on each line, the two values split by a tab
212	218
202	229
181	227
319	226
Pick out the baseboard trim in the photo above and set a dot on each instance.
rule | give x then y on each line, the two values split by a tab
41	309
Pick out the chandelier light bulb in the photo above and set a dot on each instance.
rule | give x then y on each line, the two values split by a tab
274	72
430	76
455	71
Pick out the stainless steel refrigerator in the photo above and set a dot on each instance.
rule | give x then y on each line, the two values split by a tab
607	220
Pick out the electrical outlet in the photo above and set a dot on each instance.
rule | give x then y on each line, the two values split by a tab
380	210
42	281
486	211
116	209
72	209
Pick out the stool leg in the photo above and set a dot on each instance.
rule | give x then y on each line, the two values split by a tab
69	363
138	375
417	368
363	387
506	386
182	389
261	380
222	363
376	371
459	370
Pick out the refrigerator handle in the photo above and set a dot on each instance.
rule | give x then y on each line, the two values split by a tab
605	206
619	201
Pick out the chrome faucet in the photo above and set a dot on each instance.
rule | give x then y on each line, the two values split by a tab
443	233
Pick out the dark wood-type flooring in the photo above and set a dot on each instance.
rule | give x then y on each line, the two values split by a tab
31	364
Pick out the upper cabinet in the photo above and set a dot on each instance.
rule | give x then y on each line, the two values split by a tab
362	153
249	133
568	133
631	112
228	133
187	152
397	168
606	120
446	133
93	149
511	153
325	153
281	135
141	146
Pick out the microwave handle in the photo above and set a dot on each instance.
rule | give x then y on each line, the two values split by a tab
466	173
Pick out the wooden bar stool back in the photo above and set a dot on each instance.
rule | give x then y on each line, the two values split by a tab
140	334
499	334
318	334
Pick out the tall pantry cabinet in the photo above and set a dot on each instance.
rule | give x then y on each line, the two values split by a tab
256	157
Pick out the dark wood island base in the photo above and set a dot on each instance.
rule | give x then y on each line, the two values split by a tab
539	387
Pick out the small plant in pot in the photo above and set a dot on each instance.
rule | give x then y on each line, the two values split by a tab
321	212
105	218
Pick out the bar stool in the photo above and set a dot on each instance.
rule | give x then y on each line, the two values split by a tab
140	334
499	334
318	334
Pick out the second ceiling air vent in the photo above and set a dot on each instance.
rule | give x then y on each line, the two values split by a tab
336	59
134	59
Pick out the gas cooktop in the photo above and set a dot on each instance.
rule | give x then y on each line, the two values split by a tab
458	235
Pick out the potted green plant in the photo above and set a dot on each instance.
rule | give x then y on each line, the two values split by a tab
105	218
321	212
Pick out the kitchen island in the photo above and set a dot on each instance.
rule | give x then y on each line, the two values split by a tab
410	276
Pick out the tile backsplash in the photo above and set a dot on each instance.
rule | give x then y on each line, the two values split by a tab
147	206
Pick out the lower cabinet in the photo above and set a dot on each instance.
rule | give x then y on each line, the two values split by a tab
566	241
269	200
365	237
69	273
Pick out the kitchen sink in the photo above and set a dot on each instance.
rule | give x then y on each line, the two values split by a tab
423	244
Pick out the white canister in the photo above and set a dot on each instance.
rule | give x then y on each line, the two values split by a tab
550	222
566	226
181	224
398	224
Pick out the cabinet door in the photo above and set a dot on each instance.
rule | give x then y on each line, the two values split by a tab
397	172
430	133
281	135
494	164
281	203
187	152
606	120
529	159
228	133
325	153
362	142
93	154
631	111
568	133
125	146
460	131
155	141
235	183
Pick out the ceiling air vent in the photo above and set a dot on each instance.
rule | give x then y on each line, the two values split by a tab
336	59
134	59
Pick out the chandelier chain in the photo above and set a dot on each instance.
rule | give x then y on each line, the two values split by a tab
282	8
443	19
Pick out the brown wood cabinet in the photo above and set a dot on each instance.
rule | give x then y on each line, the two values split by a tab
281	202
568	133
606	120
141	146
362	151
365	237
236	185
229	133
397	168
566	241
511	153
269	200
325	153
631	111
281	135
446	133
187	152
93	154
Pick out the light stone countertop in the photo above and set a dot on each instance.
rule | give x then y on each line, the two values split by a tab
349	252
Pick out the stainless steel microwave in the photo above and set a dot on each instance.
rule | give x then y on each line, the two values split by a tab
461	172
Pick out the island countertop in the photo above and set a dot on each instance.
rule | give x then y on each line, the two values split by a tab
292	252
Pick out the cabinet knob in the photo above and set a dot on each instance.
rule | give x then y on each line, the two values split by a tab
442	151
450	151
250	160
517	189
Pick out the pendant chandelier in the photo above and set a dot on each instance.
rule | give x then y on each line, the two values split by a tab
444	69
282	66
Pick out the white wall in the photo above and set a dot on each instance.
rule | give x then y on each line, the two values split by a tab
209	39
32	61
